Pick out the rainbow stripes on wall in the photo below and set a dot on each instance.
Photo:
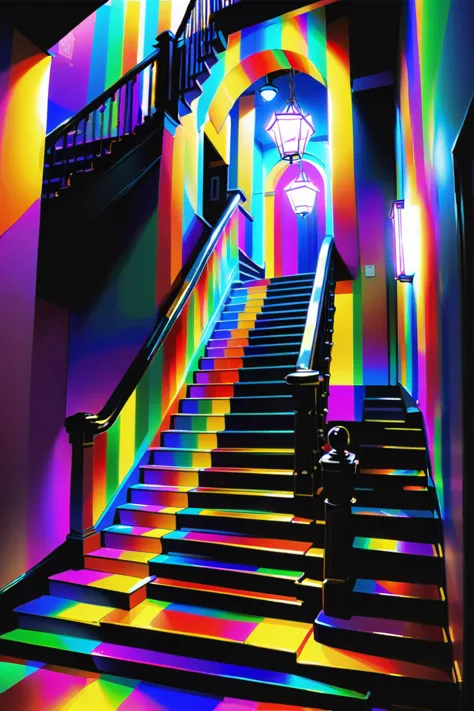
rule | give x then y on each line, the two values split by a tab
117	451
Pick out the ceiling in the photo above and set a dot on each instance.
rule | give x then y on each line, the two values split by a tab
311	95
45	22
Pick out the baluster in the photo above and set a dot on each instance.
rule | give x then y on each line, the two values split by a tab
101	110
338	469
132	90
65	161
119	109
150	87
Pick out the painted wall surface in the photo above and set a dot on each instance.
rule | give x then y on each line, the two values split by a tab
100	50
24	73
436	87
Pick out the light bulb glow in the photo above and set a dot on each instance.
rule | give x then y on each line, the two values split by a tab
302	194
290	130
268	91
398	223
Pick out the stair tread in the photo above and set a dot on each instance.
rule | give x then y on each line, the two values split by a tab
426	550
213	623
163	487
205	562
241	470
394	513
251	515
61	608
227	431
398	589
232	672
400	447
99	580
150	508
275	545
244	492
142	531
315	654
248	450
389	627
393	472
205	587
122	554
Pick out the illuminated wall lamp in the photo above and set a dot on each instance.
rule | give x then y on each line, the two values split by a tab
396	215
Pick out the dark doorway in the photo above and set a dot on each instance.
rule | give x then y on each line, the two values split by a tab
215	183
464	181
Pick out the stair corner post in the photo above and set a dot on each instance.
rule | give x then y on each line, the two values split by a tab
338	469
167	84
305	386
82	429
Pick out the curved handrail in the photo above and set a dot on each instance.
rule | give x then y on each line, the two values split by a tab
313	319
53	136
102	421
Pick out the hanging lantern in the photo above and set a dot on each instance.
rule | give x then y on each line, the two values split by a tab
302	193
396	216
268	91
290	129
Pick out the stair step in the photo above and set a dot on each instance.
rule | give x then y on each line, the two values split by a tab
119	561
426	644
242	421
183	672
267	552
238	389
391	477
254	523
223	457
413	525
399	681
252	338
410	497
249	361
244	404
209	633
404	561
148	515
402	601
247	374
291	329
99	588
204	569
61	616
232	599
254	499
252	351
272	479
134	538
256	313
158	495
378	455
266	306
394	434
170	476
228	438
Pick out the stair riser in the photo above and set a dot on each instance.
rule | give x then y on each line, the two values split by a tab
58	626
146	519
430	612
249	351
256	313
383	413
263	558
421	530
159	498
247	481
238	389
271	504
263	421
254	339
374	458
231	603
282	403
266	306
225	578
132	543
420	500
117	566
94	596
246	375
200	440
405	648
288	359
252	460
397	567
248	330
394	435
389	483
164	477
268	529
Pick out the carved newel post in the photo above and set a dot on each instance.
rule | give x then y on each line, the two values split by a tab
338	470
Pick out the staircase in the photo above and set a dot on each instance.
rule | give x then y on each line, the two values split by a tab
211	576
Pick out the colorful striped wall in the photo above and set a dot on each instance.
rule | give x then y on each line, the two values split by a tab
100	50
118	450
436	80
24	73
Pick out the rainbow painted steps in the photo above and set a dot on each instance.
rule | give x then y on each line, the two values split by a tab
277	691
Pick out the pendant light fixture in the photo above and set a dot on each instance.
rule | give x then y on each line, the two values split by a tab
396	215
302	193
268	91
290	129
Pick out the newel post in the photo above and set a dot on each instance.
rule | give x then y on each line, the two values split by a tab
81	430
167	81
338	470
305	386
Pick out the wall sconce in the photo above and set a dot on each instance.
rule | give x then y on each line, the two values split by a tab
396	215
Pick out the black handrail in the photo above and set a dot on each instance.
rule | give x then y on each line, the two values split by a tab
102	421
310	381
